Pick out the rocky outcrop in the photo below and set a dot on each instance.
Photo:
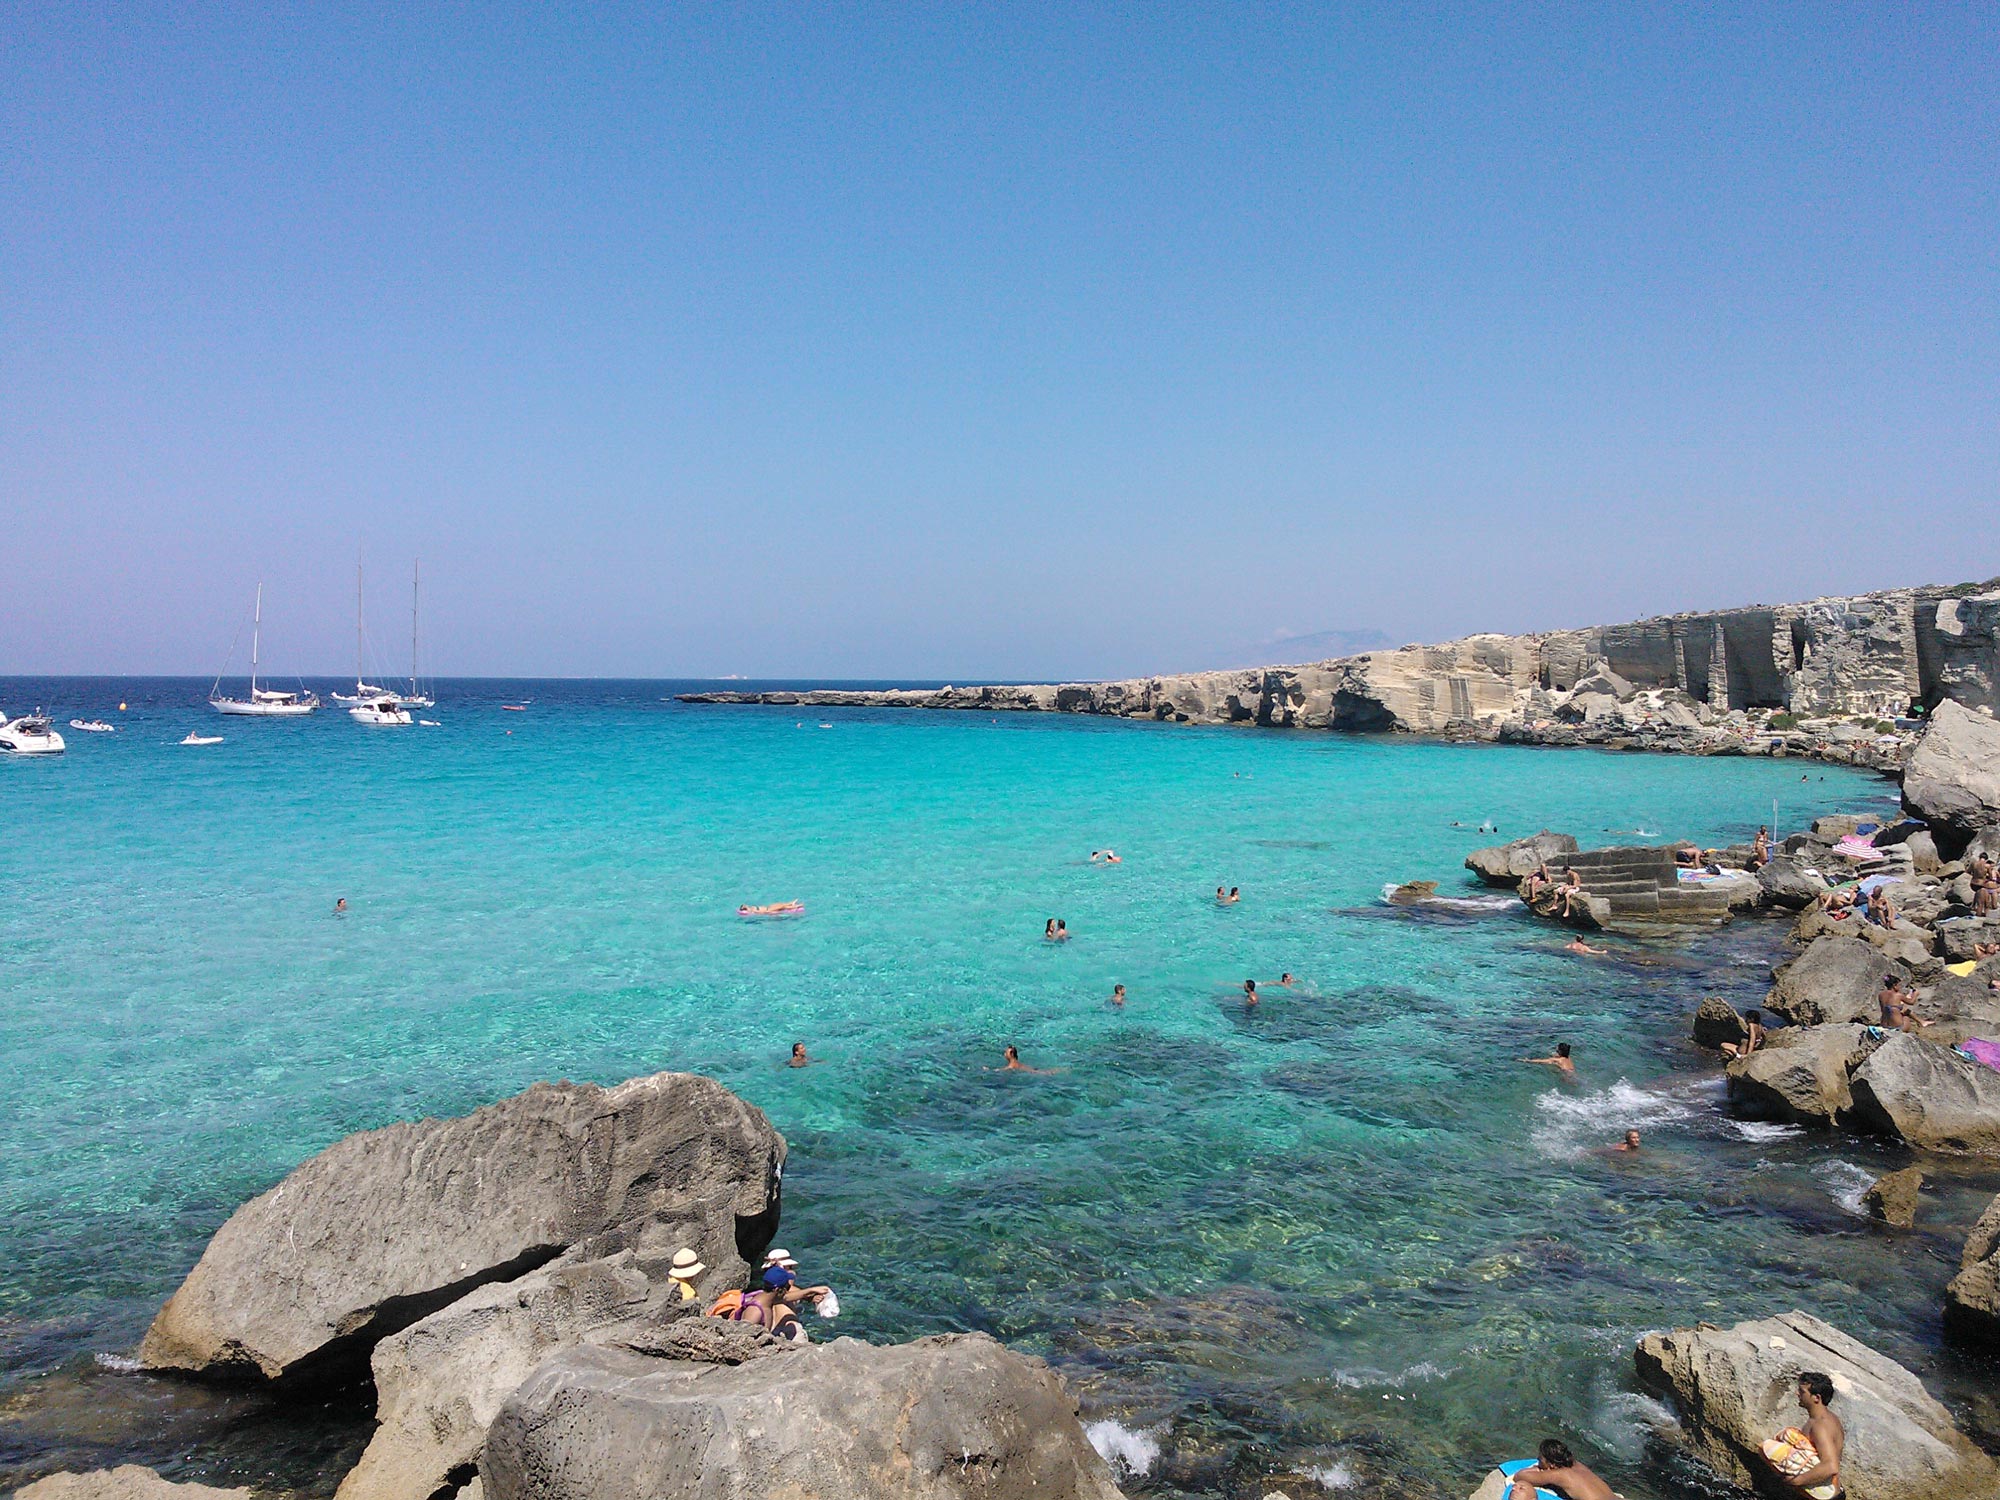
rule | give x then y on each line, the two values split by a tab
126	1482
1930	1096
1789	884
1953	778
440	1382
388	1226
1972	1301
947	1418
1734	1387
1800	1075
1716	1022
1506	865
1893	1197
1703	683
1837	978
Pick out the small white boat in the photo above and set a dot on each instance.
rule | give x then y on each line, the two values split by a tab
262	703
93	726
430	723
384	711
201	739
29	735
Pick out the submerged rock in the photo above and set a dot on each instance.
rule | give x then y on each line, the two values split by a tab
947	1418
1835	979
1892	1197
1972	1301
126	1482
388	1226
1732	1388
1932	1097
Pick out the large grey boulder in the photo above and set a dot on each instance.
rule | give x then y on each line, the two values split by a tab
1716	1022
947	1418
1952	781
1934	1098
1800	1074
440	1382
1788	882
1732	1388
1972	1301
1836	979
126	1482
1508	864
389	1225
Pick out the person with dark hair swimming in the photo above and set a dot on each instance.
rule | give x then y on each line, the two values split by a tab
1560	1060
1558	1469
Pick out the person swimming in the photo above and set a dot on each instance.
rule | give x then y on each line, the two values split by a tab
1117	994
798	1059
1013	1063
340	906
1249	994
1578	945
1286	979
1104	857
1229	897
1560	1060
1629	1144
1049	930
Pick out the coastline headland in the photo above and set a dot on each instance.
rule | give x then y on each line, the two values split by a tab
1812	679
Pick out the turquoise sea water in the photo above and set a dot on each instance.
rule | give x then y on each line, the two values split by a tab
1347	1237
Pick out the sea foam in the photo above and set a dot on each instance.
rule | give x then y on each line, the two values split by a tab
1133	1454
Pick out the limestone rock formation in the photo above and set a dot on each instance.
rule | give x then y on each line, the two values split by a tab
126	1482
947	1418
1506	865
1892	1197
1837	978
1801	1074
1786	882
1716	1022
1953	778
1972	1301
1734	1387
440	1382
1932	1097
389	1225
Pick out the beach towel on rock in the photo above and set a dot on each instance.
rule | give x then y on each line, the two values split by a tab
1855	848
1980	1051
1791	1452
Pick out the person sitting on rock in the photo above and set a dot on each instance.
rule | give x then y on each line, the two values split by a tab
771	1305
1753	1036
1877	908
1827	1435
1556	1468
1687	855
1895	1002
1538	882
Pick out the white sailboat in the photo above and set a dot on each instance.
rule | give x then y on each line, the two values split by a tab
263	703
364	691
415	697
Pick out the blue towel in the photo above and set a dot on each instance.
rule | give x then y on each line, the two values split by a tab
1514	1466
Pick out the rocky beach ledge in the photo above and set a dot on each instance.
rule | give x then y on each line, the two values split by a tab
1834	679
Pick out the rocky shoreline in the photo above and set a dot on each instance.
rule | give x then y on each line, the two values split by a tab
1831	679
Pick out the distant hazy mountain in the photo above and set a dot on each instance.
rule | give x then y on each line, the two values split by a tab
1291	649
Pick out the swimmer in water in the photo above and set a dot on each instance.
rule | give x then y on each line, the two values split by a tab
1104	857
1626	1146
1286	979
1013	1064
1578	945
1560	1061
1227	898
1049	930
1117	994
798	1059
1062	931
340	906
1249	994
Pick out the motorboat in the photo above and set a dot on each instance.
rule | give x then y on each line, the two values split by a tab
93	726
200	739
29	735
384	710
263	703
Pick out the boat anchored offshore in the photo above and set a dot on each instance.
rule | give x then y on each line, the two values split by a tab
263	703
200	739
29	735
384	710
93	726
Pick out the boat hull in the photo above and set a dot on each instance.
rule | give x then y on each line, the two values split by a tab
239	709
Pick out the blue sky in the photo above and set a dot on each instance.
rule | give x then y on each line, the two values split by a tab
973	342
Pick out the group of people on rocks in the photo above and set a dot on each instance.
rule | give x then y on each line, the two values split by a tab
771	1303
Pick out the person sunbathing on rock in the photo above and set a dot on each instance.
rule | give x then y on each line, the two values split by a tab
1753	1036
1878	910
1558	1469
1895	1002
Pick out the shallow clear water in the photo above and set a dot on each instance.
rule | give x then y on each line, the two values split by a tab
1347	1237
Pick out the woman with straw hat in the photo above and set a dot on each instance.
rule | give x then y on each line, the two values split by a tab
687	1265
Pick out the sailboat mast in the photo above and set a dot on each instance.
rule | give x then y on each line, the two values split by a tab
256	633
357	625
416	572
